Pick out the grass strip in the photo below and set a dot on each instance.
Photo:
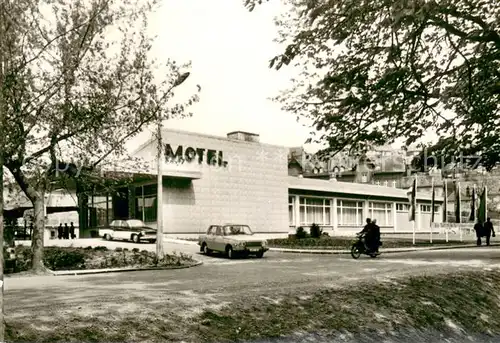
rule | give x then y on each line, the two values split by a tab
467	301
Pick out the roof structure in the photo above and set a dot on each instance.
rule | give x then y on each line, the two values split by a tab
365	190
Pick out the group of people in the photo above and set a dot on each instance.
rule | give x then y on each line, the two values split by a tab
371	232
484	230
66	232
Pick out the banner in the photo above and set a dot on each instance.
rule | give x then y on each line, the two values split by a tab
412	197
481	215
433	201
445	202
472	216
458	199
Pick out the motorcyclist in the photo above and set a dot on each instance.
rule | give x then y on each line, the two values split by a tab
375	236
366	232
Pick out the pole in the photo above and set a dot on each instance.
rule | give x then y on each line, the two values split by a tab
414	234
159	196
446	228
160	252
432	210
485	202
2	135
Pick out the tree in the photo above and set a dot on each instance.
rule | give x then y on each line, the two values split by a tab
78	82
378	70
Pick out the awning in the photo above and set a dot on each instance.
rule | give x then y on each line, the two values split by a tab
184	174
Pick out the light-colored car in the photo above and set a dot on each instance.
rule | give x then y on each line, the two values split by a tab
232	239
132	229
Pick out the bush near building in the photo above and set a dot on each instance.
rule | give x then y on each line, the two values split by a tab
58	258
343	243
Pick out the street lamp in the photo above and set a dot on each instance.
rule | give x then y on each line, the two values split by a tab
159	159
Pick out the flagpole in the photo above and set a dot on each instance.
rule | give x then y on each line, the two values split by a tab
445	209
432	209
459	200
476	205
485	202
414	205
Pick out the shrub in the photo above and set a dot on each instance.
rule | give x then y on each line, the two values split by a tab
135	250
118	249
300	233
315	231
59	259
23	258
88	248
101	248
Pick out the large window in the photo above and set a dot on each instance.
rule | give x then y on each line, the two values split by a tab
382	212
349	213
99	214
315	210
145	203
291	211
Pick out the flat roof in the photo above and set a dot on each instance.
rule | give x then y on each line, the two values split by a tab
361	189
165	131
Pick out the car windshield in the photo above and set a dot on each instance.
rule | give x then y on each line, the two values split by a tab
135	223
231	230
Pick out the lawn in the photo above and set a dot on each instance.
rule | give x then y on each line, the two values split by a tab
466	301
58	258
344	243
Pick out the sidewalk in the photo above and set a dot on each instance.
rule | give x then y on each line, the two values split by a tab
383	251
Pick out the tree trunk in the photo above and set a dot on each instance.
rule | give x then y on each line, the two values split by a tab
2	262
38	233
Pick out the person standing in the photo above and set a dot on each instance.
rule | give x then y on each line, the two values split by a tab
72	230
479	228
66	231
488	230
60	231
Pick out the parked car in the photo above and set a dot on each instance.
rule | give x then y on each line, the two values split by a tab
132	229
232	239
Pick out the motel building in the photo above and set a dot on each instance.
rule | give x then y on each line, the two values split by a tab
237	179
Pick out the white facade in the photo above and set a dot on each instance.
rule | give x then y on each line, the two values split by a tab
250	185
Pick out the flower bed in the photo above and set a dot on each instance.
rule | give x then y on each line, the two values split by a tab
343	243
57	258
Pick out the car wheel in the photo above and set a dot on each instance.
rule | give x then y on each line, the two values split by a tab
153	241
135	239
230	252
206	251
107	237
260	254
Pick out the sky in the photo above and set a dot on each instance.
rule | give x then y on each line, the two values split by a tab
229	48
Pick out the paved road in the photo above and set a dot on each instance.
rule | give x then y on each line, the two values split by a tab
222	279
218	282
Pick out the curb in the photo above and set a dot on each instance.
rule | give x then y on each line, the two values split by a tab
180	241
341	252
118	270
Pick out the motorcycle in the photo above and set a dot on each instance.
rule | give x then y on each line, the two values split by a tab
358	247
